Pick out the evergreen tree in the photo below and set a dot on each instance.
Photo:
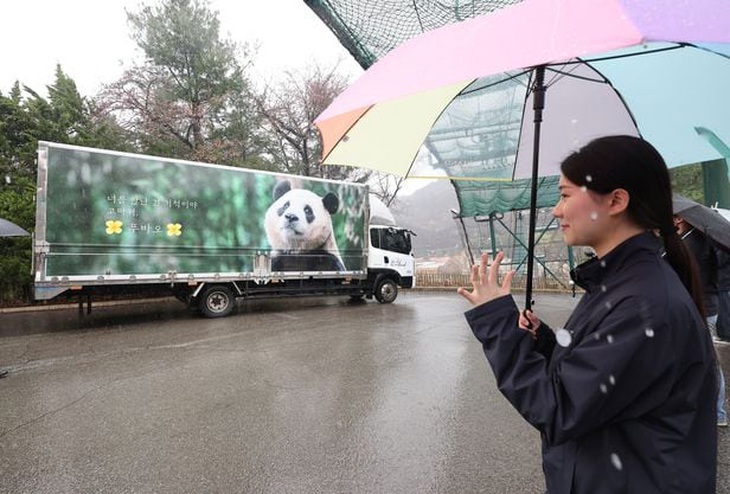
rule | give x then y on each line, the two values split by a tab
64	117
191	98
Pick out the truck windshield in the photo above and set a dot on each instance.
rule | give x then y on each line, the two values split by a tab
391	239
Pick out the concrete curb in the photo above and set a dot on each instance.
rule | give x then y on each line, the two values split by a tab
106	303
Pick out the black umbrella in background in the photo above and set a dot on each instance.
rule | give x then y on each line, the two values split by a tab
707	220
10	229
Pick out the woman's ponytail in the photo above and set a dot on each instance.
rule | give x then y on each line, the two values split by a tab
683	262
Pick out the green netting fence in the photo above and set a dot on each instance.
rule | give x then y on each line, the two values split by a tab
370	29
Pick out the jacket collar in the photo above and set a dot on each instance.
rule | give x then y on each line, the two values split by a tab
594	272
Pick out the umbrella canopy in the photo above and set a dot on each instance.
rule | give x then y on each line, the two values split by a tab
470	91
611	67
10	229
708	220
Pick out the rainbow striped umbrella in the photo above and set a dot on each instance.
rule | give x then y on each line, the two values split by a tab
508	94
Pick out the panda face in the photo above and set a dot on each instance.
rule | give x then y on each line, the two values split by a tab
291	217
298	220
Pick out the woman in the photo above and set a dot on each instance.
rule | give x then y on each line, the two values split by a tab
624	394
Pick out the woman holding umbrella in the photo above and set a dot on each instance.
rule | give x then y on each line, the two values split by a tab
624	394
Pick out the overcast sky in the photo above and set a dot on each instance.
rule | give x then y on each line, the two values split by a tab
90	39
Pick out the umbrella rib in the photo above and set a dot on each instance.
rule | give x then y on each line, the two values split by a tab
563	70
575	62
676	46
410	167
495	83
530	84
559	74
601	79
710	50
623	102
575	76
344	134
580	61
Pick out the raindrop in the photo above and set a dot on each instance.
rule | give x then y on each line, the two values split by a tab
604	388
603	263
589	178
597	336
608	305
609	338
594	215
564	337
583	188
604	288
612	380
649	333
616	461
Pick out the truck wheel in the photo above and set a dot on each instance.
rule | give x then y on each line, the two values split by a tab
386	291
217	301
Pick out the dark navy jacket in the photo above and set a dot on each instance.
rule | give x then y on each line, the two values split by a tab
625	399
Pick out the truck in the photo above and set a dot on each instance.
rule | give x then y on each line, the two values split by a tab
110	223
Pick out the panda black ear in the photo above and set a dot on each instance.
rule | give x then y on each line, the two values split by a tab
281	188
331	202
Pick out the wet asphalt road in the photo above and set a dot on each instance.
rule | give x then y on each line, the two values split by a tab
303	396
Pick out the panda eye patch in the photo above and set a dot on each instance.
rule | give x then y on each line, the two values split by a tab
309	213
283	208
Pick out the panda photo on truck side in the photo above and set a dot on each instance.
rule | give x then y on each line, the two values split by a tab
299	228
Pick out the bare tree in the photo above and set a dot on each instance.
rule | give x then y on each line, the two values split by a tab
386	187
290	109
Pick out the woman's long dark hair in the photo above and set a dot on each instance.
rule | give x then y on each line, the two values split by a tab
630	163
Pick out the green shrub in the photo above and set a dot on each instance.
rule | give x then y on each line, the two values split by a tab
15	275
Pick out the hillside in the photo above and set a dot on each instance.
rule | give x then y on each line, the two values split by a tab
427	212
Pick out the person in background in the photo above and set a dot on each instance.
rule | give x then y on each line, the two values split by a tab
624	394
705	256
723	295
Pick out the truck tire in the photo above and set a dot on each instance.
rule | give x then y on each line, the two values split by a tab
386	291
216	301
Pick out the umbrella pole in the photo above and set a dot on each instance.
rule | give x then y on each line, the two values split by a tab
538	98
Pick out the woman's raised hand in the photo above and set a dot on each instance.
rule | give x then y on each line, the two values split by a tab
485	281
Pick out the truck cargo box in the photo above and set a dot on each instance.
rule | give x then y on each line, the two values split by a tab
111	218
